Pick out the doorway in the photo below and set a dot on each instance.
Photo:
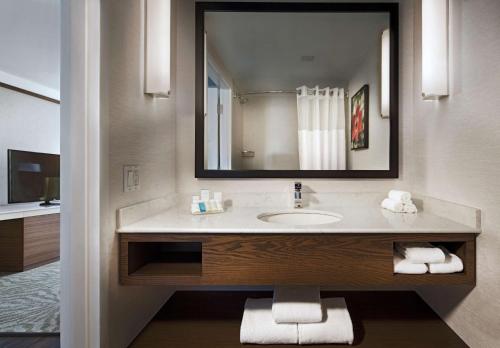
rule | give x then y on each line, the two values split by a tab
218	121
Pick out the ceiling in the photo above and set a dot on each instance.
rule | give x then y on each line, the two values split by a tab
267	51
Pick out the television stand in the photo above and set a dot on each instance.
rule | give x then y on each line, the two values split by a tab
49	204
29	236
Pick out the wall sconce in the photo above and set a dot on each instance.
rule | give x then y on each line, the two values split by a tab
434	49
385	72
157	50
205	72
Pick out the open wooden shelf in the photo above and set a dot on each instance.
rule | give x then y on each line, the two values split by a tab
157	259
465	249
171	268
388	319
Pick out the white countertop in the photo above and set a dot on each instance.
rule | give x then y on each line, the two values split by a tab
22	210
244	220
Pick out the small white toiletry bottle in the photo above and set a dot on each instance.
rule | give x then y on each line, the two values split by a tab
205	195
211	206
218	201
195	207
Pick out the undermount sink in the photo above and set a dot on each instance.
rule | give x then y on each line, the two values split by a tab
300	217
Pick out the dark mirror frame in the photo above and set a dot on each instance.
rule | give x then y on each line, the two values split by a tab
391	8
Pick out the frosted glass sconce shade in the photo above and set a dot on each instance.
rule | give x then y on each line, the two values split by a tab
157	52
385	72
434	49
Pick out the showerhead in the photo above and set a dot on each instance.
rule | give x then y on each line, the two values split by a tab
240	98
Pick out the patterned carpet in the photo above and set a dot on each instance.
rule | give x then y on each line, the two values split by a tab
29	301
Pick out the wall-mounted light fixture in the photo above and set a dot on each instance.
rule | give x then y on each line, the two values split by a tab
434	49
385	72
157	52
205	72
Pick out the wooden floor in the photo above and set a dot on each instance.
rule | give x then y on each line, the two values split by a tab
32	341
381	320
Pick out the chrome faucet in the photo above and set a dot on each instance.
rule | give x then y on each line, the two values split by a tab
297	196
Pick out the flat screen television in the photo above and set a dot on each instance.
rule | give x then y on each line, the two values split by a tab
32	177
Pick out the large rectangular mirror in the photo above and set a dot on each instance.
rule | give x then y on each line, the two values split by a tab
296	90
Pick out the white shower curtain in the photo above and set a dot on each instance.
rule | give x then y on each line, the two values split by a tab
322	141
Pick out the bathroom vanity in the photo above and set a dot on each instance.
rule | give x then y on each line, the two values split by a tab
236	248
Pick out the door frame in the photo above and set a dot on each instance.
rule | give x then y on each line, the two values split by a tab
80	179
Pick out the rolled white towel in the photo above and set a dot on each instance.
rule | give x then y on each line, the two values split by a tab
403	266
297	304
259	327
392	205
400	196
409	208
420	252
336	326
451	264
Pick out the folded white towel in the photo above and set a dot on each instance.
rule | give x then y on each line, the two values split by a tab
297	304
398	207
409	208
400	196
336	327
403	266
259	327
392	205
451	264
420	252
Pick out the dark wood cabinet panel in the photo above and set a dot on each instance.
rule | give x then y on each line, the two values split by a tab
41	239
11	245
297	259
353	260
28	242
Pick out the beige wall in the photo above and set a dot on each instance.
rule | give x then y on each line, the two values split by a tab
135	130
186	183
457	158
26	123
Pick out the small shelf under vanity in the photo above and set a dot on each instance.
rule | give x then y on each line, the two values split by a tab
167	259
463	249
353	260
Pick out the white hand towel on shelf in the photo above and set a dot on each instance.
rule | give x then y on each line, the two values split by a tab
451	264
420	252
400	196
259	327
403	266
297	304
336	326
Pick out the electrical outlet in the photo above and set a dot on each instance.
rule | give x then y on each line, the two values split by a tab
131	180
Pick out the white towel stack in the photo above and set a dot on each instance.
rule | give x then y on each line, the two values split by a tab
422	257
296	315
297	304
259	327
399	202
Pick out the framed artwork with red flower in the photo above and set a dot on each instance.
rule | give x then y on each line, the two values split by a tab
359	119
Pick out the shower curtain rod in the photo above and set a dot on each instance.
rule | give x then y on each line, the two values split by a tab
346	92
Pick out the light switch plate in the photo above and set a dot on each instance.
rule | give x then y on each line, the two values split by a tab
131	180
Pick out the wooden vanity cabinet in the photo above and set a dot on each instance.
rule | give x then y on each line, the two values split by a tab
354	260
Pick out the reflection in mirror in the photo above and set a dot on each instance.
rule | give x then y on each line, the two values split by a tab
296	91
